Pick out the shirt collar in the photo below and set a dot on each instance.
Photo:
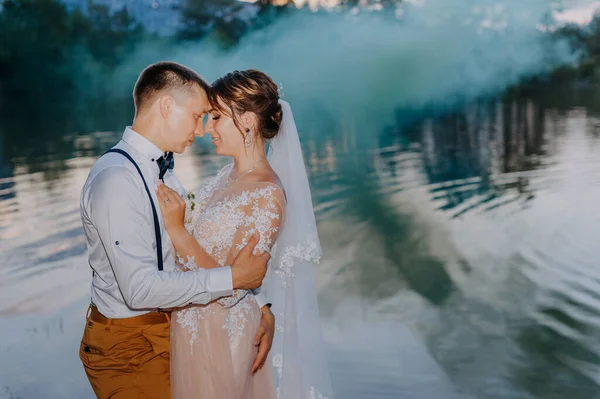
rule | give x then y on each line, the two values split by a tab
141	144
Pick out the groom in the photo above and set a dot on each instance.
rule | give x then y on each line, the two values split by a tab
125	345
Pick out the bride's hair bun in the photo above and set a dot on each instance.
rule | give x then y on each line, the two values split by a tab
249	91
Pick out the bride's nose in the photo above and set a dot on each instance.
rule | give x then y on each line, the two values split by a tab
208	127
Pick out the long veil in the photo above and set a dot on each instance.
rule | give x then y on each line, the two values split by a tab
297	353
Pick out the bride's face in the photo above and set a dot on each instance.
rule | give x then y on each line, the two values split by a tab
226	137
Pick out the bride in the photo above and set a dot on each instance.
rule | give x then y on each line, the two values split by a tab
212	346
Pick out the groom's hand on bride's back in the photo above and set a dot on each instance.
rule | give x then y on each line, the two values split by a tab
247	269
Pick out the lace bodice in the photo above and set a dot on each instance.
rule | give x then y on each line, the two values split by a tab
222	219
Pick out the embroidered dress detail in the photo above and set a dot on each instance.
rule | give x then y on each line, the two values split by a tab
213	345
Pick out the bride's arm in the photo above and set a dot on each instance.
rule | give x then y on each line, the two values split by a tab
189	252
265	216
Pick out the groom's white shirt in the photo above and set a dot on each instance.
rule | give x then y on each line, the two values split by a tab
118	224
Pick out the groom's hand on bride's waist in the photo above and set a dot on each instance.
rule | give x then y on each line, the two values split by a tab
264	338
247	269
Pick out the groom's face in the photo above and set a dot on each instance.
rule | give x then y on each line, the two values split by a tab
184	119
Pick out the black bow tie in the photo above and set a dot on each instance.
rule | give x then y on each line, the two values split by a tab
165	163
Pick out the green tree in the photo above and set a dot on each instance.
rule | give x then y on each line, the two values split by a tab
34	37
111	37
227	20
202	17
45	48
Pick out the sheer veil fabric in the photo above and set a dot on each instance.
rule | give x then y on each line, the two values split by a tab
298	355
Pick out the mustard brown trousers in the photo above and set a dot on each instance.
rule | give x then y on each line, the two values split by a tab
127	358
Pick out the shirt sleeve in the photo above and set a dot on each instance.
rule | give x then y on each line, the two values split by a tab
126	230
260	296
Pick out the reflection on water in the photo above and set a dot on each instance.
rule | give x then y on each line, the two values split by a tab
461	247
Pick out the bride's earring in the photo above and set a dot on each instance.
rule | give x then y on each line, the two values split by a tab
247	139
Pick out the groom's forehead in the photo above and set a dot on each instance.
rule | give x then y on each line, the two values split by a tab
200	99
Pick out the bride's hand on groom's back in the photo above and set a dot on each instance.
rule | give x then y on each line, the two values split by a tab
247	269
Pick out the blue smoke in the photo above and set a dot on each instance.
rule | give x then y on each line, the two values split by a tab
359	67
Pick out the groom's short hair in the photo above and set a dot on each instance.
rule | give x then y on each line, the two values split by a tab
165	76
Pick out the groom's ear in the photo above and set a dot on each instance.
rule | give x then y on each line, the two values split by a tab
164	104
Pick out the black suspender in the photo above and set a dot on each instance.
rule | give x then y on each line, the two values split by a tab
154	214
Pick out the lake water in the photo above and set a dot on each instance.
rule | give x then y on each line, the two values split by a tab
461	249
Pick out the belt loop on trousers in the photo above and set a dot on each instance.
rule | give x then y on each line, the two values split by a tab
166	313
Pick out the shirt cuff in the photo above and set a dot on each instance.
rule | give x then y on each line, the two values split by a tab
220	282
260	299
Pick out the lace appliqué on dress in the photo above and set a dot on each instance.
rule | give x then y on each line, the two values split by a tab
184	265
234	298
262	219
277	361
278	364
239	315
307	250
314	394
214	225
229	212
189	319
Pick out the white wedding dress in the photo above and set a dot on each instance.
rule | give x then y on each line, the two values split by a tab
212	348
